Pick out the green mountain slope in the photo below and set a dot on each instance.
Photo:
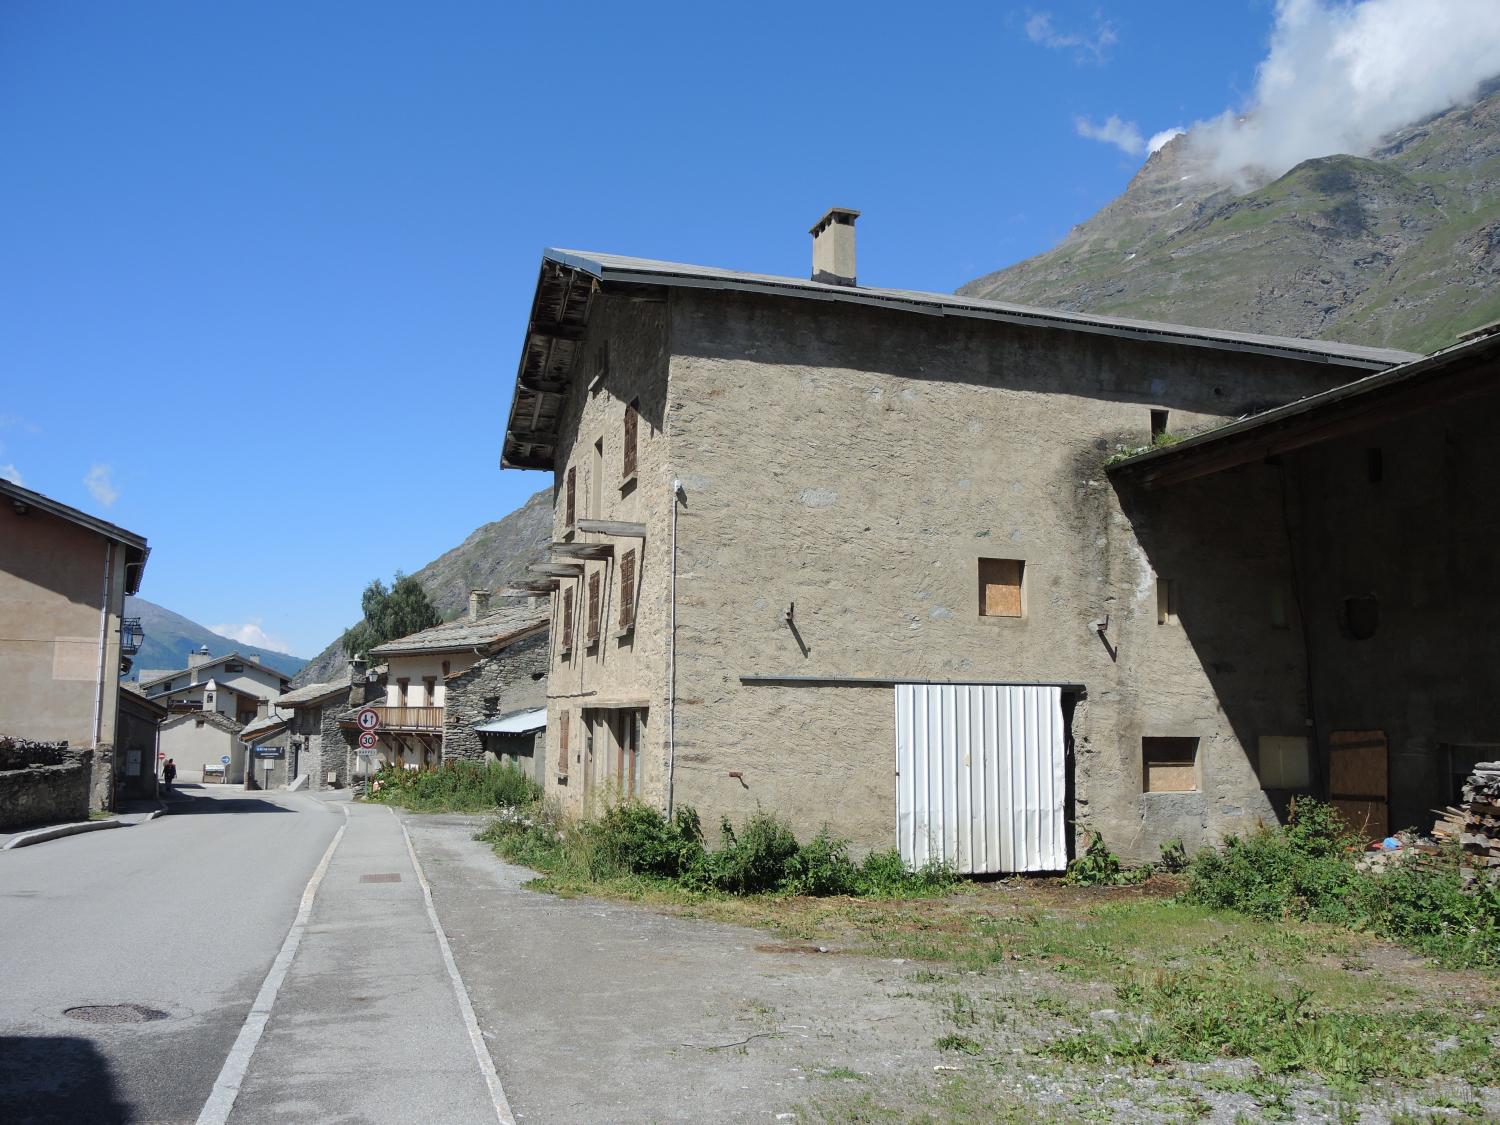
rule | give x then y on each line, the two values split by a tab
494	556
170	637
1400	248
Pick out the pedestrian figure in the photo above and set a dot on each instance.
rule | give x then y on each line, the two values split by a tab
169	772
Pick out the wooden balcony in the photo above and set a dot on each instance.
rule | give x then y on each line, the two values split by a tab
410	718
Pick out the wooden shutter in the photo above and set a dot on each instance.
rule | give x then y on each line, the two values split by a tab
562	743
627	589
567	644
571	497
1359	780
1000	587
593	607
632	425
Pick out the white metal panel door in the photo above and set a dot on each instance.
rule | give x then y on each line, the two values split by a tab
980	776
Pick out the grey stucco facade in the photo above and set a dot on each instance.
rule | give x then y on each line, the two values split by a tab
853	465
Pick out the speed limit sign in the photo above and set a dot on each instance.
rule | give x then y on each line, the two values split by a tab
369	719
367	740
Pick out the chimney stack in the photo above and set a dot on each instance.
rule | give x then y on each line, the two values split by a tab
833	247
479	604
357	667
262	707
199	656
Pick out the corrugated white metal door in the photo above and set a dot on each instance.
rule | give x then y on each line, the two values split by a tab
980	776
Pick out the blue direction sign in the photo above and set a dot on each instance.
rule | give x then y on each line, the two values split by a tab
224	761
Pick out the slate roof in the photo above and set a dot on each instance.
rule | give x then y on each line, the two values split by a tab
157	674
495	629
311	693
212	718
262	728
568	279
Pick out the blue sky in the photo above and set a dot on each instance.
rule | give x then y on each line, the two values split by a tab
267	266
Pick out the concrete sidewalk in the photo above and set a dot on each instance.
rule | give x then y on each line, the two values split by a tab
367	1026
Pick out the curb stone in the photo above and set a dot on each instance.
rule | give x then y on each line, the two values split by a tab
56	832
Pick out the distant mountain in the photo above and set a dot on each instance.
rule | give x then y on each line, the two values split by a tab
1397	249
170	637
494	556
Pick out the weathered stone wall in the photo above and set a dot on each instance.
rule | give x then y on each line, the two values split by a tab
513	679
625	667
335	750
858	464
43	783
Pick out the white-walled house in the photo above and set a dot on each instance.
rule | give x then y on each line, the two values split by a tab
231	684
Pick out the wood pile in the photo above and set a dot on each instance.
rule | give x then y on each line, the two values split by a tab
1476	823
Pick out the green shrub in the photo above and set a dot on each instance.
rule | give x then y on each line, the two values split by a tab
760	857
636	838
1174	857
823	867
884	874
455	787
1422	901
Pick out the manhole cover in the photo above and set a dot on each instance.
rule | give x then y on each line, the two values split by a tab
383	877
115	1013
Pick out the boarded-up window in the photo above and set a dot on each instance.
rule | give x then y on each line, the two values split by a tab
1171	764
1000	587
593	634
1358	779
632	425
1283	762
562	743
627	589
570	498
567	616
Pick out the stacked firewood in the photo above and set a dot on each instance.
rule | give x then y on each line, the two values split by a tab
1476	823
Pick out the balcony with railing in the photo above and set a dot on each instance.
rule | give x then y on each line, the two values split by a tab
409	718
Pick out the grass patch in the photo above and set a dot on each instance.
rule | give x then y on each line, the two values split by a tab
465	787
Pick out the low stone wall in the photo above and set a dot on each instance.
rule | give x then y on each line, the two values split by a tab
42	783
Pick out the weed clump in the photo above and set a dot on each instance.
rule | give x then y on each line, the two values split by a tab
1308	870
1100	867
762	856
469	787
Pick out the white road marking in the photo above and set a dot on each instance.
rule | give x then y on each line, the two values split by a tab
227	1087
476	1037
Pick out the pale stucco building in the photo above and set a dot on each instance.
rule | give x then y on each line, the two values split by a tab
64	575
851	554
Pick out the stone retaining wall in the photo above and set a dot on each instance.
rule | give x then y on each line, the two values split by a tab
42	783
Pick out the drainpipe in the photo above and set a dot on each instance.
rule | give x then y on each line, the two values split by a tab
672	662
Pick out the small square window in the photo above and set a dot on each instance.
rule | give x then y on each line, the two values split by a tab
1283	762
1170	764
234	667
1000	583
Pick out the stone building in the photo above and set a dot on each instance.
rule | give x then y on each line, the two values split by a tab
319	749
1328	567
443	682
852	555
64	575
267	742
136	744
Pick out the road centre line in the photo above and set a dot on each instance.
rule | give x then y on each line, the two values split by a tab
227	1086
476	1037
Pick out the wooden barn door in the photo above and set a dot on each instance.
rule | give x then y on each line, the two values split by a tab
1359	780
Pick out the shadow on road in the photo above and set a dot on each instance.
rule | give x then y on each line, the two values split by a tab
212	805
56	1080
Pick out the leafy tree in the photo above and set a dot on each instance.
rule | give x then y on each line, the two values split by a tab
397	611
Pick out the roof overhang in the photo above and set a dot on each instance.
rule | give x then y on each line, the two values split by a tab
518	722
569	281
1447	376
136	550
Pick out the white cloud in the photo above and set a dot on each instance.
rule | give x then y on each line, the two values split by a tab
12	474
100	486
251	633
1124	135
1089	45
1339	76
1159	140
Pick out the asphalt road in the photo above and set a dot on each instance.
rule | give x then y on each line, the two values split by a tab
182	916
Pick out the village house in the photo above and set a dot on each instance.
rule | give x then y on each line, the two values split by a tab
231	684
137	738
487	668
1328	565
321	752
270	762
197	742
852	555
64	643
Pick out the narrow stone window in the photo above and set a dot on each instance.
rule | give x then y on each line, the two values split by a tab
570	498
1000	587
562	744
1166	601
593	632
1158	423
632	428
627	590
567	621
1170	765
